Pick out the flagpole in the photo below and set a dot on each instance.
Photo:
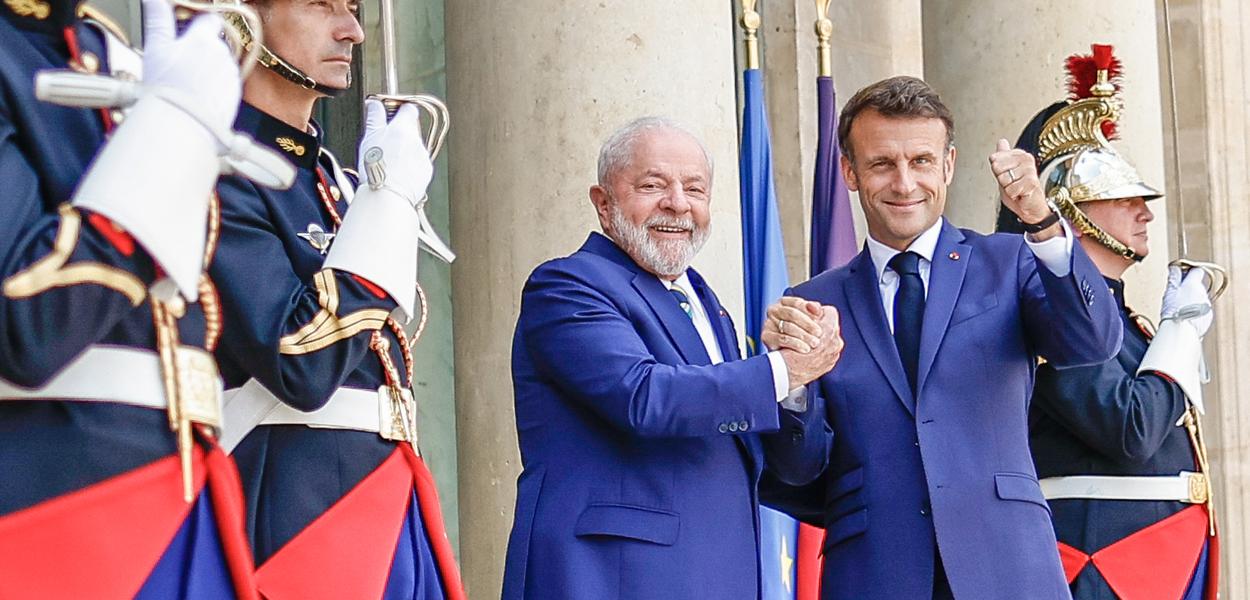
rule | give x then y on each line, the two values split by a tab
824	31
750	25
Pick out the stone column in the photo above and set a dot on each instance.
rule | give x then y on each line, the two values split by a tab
872	40
997	64
126	14
1212	58
533	88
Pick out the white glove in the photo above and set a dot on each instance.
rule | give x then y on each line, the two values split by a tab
1186	299
197	64
155	174
406	162
380	235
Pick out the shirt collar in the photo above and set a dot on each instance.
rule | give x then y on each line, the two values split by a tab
924	245
683	282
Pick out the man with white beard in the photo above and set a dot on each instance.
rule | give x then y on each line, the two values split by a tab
639	425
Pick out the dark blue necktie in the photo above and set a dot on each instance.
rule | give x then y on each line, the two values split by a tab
682	300
908	312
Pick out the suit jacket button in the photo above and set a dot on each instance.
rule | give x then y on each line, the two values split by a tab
733	426
722	428
743	426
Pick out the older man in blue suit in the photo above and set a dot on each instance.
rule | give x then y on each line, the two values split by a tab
638	424
929	490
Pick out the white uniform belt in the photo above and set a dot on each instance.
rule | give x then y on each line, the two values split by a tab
252	405
102	374
1185	487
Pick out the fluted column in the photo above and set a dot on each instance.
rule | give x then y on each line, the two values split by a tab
1212	58
534	87
872	40
997	63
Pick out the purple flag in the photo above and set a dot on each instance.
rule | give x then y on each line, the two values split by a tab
833	226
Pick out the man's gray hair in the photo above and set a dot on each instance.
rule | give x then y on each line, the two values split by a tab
618	149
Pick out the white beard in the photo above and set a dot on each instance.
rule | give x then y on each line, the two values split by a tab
669	258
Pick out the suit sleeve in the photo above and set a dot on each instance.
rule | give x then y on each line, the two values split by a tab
299	338
580	341
799	452
1122	416
1070	320
68	277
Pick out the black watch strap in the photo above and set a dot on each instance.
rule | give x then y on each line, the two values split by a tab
1040	225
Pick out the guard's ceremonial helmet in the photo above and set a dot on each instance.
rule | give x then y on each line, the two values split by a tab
270	60
1073	146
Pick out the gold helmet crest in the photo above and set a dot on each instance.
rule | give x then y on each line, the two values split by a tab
1074	147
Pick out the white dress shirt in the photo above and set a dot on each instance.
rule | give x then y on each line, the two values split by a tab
703	325
1055	253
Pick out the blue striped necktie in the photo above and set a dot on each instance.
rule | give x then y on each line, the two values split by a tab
682	300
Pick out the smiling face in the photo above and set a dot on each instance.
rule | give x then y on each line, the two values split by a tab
314	36
901	169
656	207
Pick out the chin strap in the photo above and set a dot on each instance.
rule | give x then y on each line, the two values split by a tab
1061	199
287	71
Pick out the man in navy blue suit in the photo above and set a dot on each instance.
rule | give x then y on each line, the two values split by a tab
638	424
929	490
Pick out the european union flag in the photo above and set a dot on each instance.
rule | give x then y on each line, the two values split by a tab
764	281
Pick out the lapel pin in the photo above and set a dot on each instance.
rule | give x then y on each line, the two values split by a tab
953	255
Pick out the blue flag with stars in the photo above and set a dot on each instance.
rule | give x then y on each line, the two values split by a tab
764	281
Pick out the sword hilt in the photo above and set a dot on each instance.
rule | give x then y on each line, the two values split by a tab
1217	275
434	112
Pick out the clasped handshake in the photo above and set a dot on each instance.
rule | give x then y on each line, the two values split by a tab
808	336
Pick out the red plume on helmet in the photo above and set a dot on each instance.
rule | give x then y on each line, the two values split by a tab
1083	78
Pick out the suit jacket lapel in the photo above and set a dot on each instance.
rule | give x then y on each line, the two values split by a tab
863	294
946	278
726	339
676	322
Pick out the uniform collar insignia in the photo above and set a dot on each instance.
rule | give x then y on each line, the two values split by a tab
41	15
288	144
317	237
35	9
299	147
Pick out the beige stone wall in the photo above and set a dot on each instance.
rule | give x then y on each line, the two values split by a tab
535	87
872	39
1212	57
997	64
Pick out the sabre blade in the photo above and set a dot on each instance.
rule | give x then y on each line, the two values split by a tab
390	71
1182	237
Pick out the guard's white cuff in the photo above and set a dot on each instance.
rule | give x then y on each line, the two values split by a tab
1176	351
795	400
1055	253
153	178
378	241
